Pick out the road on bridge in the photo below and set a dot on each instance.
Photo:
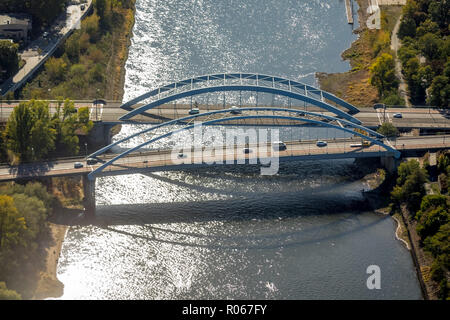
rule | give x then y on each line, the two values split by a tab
160	159
411	117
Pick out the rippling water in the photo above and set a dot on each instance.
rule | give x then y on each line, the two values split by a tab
216	233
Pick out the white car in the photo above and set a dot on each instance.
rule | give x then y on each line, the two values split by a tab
279	145
321	143
78	165
194	111
397	115
235	110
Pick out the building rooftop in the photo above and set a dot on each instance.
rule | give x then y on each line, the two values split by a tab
15	18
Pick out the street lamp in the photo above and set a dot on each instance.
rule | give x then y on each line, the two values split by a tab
96	103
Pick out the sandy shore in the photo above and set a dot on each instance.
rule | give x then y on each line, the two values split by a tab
49	285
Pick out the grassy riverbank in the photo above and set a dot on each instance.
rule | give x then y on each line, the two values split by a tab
353	86
90	64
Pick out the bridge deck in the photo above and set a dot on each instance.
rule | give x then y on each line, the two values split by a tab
412	117
161	160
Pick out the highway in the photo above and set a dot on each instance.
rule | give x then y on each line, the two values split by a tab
411	117
165	159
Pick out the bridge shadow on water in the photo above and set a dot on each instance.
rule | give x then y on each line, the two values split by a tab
262	218
276	221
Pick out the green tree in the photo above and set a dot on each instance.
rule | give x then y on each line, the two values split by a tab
29	132
428	26
440	92
56	69
440	12
9	58
439	243
18	131
410	185
6	294
388	129
66	122
12	225
383	74
430	45
35	214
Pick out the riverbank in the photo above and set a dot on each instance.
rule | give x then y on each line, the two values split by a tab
48	285
353	86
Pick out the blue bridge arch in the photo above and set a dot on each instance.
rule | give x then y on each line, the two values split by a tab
253	82
372	135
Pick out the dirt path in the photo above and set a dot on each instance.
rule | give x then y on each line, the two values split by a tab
395	45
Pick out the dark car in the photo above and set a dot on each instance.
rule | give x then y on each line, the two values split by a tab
78	165
91	161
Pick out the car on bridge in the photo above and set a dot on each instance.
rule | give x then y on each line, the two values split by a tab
279	145
194	111
397	115
181	155
91	161
247	150
78	165
321	143
235	110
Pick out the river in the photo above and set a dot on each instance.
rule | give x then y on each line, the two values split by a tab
216	233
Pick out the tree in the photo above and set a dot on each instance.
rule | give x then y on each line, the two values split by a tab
66	122
9	58
6	294
433	213
12	225
35	214
430	45
440	92
18	131
393	99
29	132
407	28
388	129
383	74
439	243
56	69
410	185
439	12
428	26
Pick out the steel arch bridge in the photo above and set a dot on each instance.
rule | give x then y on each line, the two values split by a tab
252	82
299	116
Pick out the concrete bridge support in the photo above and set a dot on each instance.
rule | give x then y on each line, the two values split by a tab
389	163
100	135
89	197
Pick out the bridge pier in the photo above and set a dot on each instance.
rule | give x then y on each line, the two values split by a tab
389	163
89	197
100	135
